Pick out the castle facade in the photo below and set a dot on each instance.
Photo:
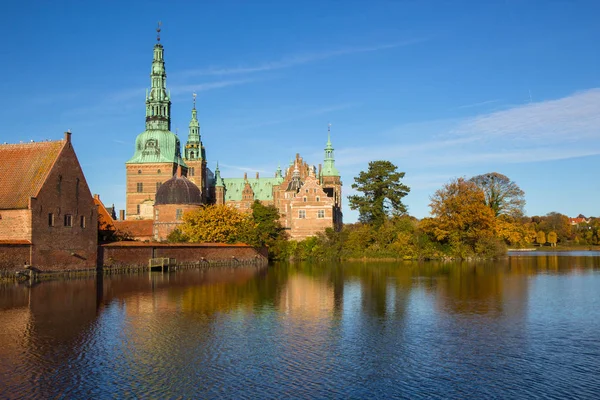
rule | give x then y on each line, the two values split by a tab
309	199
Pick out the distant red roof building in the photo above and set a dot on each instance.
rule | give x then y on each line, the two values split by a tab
579	220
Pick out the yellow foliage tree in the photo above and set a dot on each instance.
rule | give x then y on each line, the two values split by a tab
216	224
511	231
541	238
552	238
460	214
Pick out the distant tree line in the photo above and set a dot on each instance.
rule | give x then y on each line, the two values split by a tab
476	217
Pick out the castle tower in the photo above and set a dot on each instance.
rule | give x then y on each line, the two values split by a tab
195	155
157	150
331	181
219	187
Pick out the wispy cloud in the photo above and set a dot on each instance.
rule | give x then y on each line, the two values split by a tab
298	59
479	104
242	168
202	87
300	115
564	128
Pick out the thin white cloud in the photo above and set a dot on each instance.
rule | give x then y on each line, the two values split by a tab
242	168
202	87
300	115
479	104
564	128
574	116
299	59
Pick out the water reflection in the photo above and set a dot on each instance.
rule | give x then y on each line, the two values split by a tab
517	327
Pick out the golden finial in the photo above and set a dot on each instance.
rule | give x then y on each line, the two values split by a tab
158	31
194	94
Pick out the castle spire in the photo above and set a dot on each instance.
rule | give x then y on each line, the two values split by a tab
329	168
158	102
218	180
193	146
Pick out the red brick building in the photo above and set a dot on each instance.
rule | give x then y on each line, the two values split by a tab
48	218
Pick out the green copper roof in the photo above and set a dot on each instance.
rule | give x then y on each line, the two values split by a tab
329	168
262	187
155	147
157	143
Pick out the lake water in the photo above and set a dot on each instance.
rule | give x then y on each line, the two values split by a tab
524	327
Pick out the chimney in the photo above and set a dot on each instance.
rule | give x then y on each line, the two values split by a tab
122	215
257	175
97	197
178	171
245	176
68	136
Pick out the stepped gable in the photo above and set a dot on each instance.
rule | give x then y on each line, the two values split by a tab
24	169
178	190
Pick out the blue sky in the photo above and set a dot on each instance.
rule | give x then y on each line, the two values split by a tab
442	89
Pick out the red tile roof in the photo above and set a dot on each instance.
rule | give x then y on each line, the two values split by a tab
105	221
138	229
23	170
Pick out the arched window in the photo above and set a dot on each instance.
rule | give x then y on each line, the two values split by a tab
318	198
139	171
158	172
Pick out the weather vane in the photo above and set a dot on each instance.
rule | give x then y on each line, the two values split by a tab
194	94
158	31
329	127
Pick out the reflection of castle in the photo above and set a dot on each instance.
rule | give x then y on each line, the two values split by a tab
308	199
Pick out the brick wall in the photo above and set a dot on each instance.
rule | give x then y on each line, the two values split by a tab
137	255
13	257
64	193
15	225
148	175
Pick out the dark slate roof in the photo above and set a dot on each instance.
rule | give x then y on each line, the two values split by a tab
178	190
23	170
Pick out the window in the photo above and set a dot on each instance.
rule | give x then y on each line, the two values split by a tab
138	209
158	185
191	170
318	198
301	214
158	172
139	171
321	214
178	214
304	199
82	221
140	188
50	219
68	220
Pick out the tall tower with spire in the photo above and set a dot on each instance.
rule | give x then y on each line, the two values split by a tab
331	181
195	155
157	150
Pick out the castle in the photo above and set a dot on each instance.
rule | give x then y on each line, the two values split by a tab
162	183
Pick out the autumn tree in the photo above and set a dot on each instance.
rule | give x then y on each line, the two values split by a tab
216	224
267	230
382	193
502	195
460	216
556	222
541	238
552	238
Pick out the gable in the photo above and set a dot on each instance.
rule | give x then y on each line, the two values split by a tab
23	170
